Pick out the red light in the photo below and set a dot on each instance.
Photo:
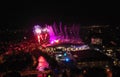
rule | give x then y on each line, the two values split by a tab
42	63
41	37
45	35
41	59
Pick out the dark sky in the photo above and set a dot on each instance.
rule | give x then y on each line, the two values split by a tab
20	14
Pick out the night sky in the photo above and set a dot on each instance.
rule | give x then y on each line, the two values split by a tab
16	14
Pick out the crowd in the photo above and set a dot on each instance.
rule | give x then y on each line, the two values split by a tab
22	55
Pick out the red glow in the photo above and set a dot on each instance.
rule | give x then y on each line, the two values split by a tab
42	63
41	59
38	38
45	35
41	36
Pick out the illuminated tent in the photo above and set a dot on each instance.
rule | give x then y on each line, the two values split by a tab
42	63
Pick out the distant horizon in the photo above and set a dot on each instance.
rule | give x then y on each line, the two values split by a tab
15	27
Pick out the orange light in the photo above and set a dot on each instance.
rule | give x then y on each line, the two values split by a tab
56	41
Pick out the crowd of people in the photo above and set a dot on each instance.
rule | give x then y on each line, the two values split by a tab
18	56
